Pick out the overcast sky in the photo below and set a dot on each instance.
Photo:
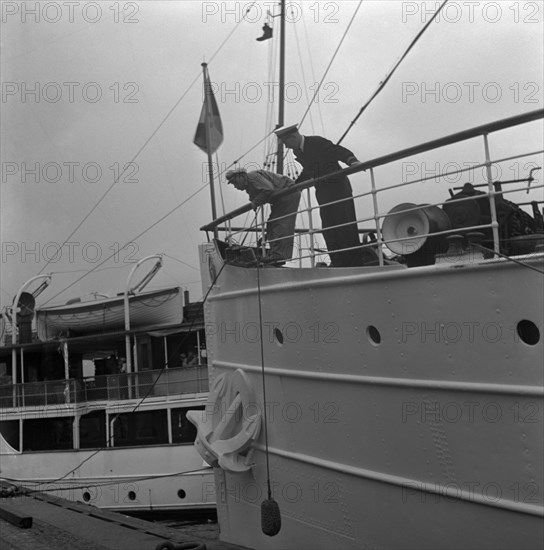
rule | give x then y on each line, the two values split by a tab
88	87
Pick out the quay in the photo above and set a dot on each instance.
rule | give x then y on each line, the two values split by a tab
58	524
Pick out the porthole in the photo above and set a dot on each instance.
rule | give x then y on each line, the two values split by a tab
86	496
279	336
182	494
528	332
373	334
131	495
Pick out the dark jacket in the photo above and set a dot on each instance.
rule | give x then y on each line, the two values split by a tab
321	157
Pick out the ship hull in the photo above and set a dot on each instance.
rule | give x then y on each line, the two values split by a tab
110	438
143	479
403	406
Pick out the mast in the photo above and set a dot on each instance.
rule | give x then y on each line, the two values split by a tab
279	163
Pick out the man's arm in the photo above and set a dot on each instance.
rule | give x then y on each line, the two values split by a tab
260	188
262	197
333	152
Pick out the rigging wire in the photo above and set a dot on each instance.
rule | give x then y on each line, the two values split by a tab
147	141
302	72
128	242
382	84
270	145
509	258
95	206
85	270
181	261
306	237
237	161
332	60
161	219
159	374
129	479
311	65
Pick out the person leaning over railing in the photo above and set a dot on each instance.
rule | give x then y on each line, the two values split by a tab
280	227
319	157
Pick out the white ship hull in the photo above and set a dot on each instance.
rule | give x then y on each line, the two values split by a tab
128	480
426	436
107	437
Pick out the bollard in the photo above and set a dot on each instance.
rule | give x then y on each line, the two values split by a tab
24	522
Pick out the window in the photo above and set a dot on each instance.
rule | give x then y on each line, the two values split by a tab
47	434
92	430
140	428
183	431
10	432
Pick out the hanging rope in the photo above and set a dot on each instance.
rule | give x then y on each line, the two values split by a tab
270	511
382	84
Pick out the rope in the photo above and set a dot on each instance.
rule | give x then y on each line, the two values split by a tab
137	406
331	61
26	483
269	488
382	84
141	149
205	186
509	258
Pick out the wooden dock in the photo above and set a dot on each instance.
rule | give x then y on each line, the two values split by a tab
58	524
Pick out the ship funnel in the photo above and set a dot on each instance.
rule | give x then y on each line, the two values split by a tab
413	224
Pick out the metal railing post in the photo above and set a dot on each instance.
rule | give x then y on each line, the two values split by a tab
311	227
126	304
491	191
263	230
376	218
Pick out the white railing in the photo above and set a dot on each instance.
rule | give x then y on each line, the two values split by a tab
112	387
240	235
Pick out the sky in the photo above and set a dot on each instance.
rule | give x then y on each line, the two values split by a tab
98	91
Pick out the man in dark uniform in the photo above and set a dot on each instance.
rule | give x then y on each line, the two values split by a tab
318	157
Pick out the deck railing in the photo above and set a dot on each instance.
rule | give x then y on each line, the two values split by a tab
113	387
375	220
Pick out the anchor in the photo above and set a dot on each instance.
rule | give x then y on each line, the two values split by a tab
225	430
